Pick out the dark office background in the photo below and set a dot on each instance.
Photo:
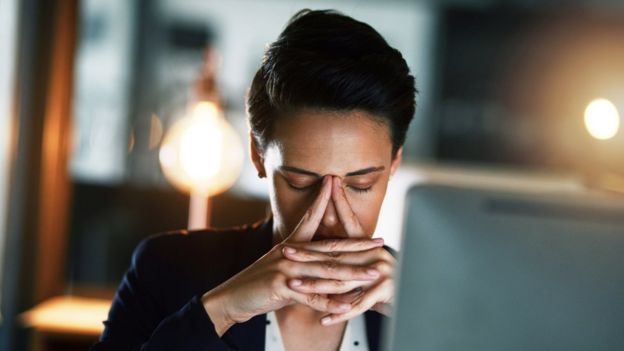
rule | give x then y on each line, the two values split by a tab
503	84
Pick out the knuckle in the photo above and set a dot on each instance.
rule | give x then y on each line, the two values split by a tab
363	271
305	254
387	266
333	244
335	254
360	244
330	266
335	263
277	281
275	296
284	265
382	266
313	299
339	283
309	283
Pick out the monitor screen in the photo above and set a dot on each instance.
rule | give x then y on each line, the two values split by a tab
490	270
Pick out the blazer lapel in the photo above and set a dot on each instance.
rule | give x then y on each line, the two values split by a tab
249	335
375	322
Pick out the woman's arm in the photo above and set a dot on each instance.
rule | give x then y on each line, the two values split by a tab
136	320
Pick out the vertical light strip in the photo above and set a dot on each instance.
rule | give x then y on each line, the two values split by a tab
8	32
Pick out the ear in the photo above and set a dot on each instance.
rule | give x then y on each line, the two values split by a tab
256	156
396	162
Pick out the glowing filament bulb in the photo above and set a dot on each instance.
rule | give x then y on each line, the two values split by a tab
202	153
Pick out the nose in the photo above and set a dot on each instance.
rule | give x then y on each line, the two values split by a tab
330	218
331	227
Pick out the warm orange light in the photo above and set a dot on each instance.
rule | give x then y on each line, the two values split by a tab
68	314
156	132
602	119
201	153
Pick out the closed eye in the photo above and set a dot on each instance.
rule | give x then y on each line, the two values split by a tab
309	187
360	190
301	189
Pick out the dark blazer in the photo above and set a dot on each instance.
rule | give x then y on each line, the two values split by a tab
158	303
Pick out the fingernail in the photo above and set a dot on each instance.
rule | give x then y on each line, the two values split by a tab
372	272
295	282
326	320
378	240
289	250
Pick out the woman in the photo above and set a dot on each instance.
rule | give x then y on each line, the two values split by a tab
328	110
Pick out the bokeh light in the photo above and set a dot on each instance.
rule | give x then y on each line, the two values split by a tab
602	119
202	153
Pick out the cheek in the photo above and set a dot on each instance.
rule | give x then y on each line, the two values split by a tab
366	207
289	206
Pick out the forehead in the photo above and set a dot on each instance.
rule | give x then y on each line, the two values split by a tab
330	142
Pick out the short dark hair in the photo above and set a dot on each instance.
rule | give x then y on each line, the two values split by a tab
328	61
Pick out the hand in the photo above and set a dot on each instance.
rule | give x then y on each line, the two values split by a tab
262	287
363	295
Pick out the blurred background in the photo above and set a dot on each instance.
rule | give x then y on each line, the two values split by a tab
528	93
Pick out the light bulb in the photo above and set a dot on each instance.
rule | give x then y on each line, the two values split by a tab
202	153
602	119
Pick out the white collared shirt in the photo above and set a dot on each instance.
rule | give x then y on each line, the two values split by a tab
354	338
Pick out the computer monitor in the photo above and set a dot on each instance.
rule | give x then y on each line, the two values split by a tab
493	270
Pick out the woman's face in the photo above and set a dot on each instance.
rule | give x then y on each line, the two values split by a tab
351	145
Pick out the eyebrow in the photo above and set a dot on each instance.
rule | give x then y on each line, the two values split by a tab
350	174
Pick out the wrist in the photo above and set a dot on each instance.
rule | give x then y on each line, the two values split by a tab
216	308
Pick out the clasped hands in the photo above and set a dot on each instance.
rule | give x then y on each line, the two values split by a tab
342	278
357	272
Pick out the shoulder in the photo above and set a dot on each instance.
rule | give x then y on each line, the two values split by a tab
179	250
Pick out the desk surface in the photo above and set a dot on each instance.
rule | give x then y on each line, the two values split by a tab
68	315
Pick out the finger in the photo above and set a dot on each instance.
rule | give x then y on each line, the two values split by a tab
312	217
347	217
319	302
383	308
386	268
324	286
349	296
364	257
330	270
342	245
362	304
